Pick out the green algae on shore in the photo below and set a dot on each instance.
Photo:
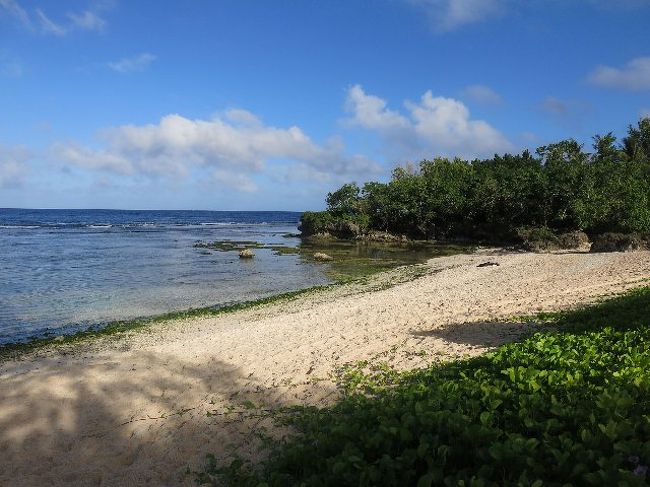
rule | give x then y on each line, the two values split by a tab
349	258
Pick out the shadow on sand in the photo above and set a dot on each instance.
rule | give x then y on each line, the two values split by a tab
139	421
480	334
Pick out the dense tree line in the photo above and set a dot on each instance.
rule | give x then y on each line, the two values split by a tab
561	188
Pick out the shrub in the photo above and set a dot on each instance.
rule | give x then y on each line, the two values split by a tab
315	222
324	223
574	241
620	242
538	239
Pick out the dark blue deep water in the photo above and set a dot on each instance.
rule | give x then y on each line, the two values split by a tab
64	270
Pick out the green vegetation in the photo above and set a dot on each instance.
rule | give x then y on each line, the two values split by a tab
566	406
561	188
352	259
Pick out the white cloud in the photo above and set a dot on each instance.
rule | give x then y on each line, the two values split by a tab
93	159
48	26
15	10
370	111
233	147
13	168
243	117
634	76
449	15
87	20
482	94
136	63
238	182
434	126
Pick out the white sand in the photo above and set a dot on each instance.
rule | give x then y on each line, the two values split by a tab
134	410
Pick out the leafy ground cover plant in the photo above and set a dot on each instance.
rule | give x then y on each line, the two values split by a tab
566	406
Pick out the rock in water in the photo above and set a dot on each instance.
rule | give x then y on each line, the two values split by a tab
246	254
322	257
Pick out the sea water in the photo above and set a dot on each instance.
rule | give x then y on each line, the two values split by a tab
66	270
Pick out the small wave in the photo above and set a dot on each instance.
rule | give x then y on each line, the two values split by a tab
19	226
100	225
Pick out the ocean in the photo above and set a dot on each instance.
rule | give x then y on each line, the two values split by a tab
66	270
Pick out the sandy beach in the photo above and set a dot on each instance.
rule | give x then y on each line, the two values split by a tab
141	408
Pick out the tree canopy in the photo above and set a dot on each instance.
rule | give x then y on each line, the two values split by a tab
562	188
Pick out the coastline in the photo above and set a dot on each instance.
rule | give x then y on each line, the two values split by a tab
140	408
120	328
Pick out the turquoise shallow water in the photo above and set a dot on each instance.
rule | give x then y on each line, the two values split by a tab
65	270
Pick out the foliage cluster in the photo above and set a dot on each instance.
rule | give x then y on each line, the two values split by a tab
562	188
568	406
613	242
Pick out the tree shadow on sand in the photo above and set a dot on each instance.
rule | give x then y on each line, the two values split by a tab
132	422
481	333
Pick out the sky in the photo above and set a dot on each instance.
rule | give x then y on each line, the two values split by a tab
269	105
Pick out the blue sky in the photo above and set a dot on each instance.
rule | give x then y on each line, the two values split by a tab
231	105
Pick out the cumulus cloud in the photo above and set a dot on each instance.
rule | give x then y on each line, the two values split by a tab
482	94
245	117
131	64
634	76
449	15
93	159
13	168
238	182
434	126
233	146
370	112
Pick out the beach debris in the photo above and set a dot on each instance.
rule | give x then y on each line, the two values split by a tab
488	264
246	254
323	257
